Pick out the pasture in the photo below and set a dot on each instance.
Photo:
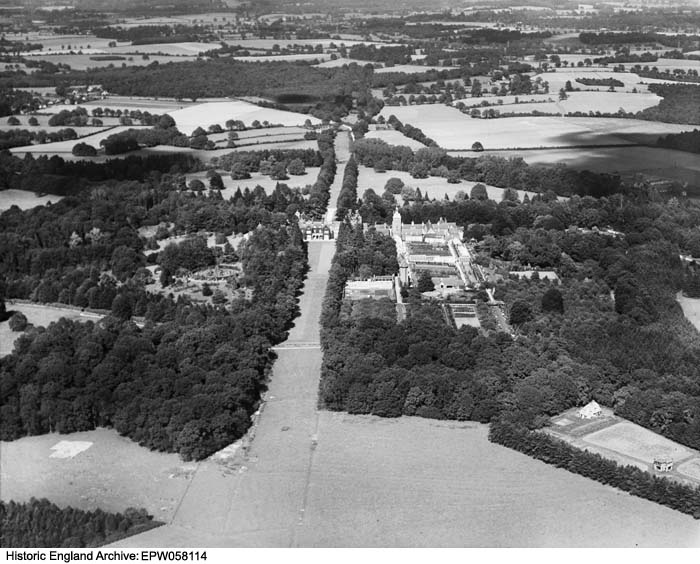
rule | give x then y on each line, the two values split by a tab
257	179
455	131
24	199
113	473
209	113
393	137
64	148
38	315
637	442
84	62
188	49
434	186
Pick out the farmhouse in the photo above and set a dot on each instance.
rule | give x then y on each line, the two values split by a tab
590	411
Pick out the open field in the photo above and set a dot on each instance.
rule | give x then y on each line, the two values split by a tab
557	79
208	113
453	130
37	315
84	62
637	442
113	473
394	137
65	147
24	199
321	479
434	186
690	306
170	49
665	163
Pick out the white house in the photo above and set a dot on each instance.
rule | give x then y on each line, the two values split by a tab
590	411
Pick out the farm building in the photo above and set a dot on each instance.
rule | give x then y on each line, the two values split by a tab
376	288
590	411
663	463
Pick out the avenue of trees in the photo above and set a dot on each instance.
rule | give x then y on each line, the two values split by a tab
42	524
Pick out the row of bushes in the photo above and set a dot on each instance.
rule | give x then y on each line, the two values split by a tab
627	478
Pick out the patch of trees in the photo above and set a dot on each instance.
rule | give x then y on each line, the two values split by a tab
688	141
39	523
189	255
678	496
393	55
411	132
680	104
16	101
84	150
21	137
144	34
75	118
53	175
610	82
618	38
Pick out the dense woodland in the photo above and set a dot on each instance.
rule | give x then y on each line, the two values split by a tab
187	381
42	524
686	141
